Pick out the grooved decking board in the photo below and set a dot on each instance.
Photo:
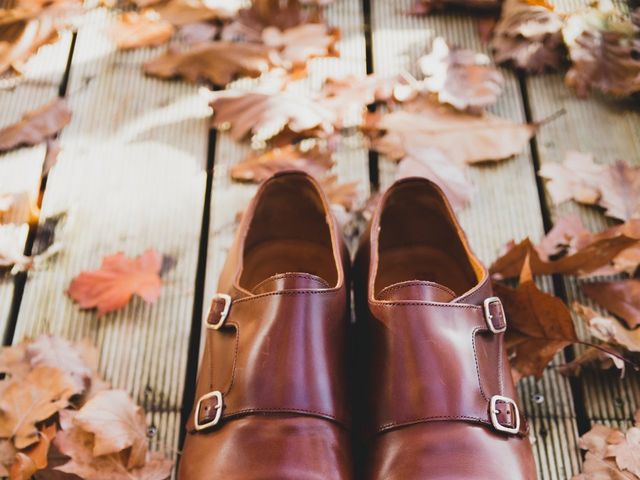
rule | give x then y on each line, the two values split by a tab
230	197
505	206
610	129
20	169
131	176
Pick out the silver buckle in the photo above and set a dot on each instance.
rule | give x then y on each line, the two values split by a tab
217	394
225	311
488	317
493	412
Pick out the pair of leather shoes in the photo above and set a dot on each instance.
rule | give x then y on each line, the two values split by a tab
424	371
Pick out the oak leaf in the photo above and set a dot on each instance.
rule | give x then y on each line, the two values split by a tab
257	167
216	62
431	163
298	44
460	77
539	325
35	126
135	30
117	424
529	36
25	402
118	279
268	113
463	136
603	47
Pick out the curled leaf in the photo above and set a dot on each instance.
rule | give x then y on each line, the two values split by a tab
35	126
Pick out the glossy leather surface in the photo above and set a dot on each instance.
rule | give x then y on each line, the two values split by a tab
428	359
279	359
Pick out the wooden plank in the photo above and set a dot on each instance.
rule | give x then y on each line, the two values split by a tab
131	176
610	129
20	169
502	209
351	158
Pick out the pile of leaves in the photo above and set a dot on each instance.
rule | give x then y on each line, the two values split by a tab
60	419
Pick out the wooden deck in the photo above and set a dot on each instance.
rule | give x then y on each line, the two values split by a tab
140	168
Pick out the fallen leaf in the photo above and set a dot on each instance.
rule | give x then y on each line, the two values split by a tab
627	451
562	238
592	356
539	325
266	113
34	458
577	178
27	401
184	12
257	167
119	277
620	297
596	468
35	126
193	33
608	329
460	77
603	48
431	163
425	7
117	424
7	456
77	444
340	194
216	62
22	38
529	36
463	136
621	192
298	44
135	30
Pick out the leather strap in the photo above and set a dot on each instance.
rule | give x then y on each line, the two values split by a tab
448	365
278	343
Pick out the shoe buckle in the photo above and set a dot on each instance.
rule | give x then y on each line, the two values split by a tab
504	413
217	394
223	314
496	321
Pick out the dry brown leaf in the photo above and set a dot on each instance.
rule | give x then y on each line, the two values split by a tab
257	167
425	7
620	297
431	163
184	12
539	325
463	136
216	62
117	424
78	445
118	279
608	329
529	36
29	461
603	47
35	126
340	194
135	30
621	192
22	38
298	44
267	113
593	357
577	178
27	401
462	78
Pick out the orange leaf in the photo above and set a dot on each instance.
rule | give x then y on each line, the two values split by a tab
135	30
119	277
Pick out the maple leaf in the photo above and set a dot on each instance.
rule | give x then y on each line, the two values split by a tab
78	445
35	126
433	164
577	178
24	402
268	113
185	12
463	136
117	424
577	251
257	167
135	30
21	38
539	325
460	77
620	297
608	329
119	277
603	47
217	62
529	36
298	44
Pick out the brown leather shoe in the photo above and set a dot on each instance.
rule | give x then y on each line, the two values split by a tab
441	398
271	394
